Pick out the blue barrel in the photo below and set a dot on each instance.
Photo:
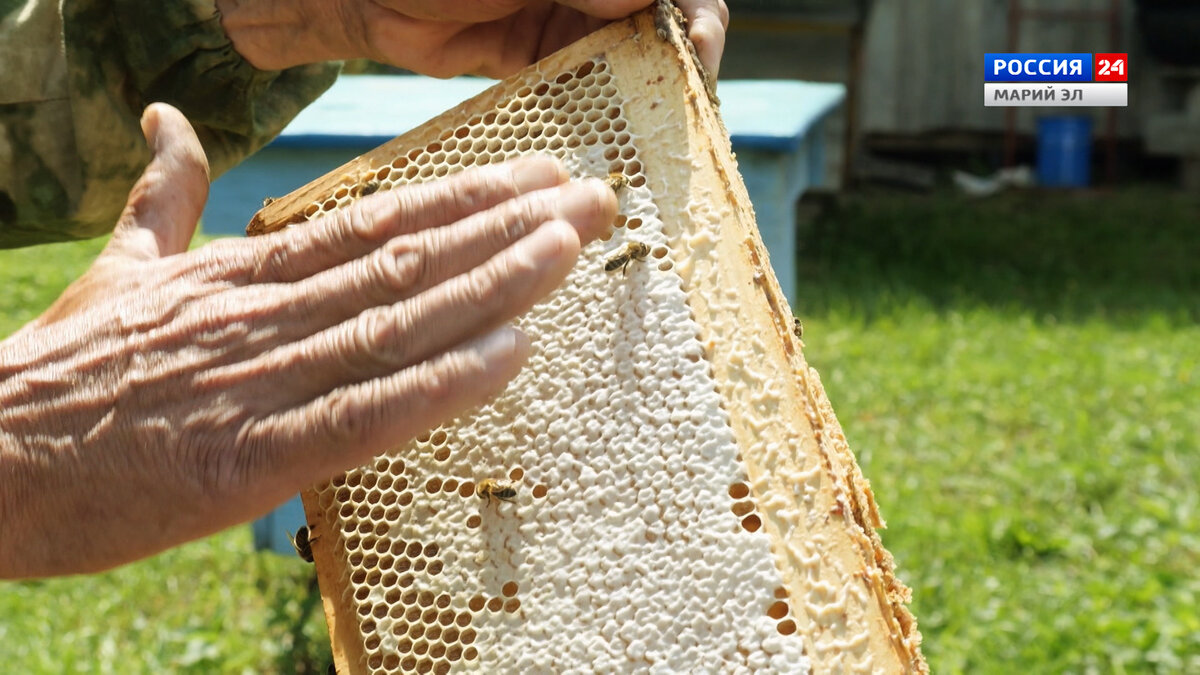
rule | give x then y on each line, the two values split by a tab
1064	151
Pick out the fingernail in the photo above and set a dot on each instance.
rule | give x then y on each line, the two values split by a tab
587	204
537	173
150	125
501	344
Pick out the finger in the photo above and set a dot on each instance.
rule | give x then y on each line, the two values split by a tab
407	266
707	22
384	340
300	252
166	202
351	424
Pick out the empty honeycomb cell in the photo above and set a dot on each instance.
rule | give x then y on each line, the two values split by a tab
442	668
786	627
512	605
470	653
495	604
743	508
751	523
739	491
408	664
777	610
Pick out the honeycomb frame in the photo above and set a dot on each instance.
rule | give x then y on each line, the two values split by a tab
791	492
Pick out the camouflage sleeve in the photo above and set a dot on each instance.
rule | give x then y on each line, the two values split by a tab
76	76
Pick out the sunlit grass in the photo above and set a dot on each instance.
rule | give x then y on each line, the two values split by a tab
1020	379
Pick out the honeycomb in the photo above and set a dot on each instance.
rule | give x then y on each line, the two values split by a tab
606	512
626	542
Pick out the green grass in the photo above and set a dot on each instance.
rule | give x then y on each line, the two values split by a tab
1020	378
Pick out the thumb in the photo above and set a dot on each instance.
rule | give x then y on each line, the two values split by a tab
166	202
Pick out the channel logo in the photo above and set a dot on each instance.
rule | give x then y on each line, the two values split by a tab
1056	80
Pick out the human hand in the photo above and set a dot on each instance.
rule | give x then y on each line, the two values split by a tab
494	38
169	394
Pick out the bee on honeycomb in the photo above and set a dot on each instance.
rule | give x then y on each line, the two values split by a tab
501	490
634	250
616	181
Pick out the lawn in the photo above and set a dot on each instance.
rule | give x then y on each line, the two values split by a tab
1020	378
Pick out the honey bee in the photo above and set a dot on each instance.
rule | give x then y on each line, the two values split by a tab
797	327
369	188
616	181
489	488
633	250
302	543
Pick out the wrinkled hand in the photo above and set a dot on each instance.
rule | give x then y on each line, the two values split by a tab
169	394
493	37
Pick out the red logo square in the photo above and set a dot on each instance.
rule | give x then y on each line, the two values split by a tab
1110	67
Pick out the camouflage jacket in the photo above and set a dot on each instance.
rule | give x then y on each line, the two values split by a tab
75	76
